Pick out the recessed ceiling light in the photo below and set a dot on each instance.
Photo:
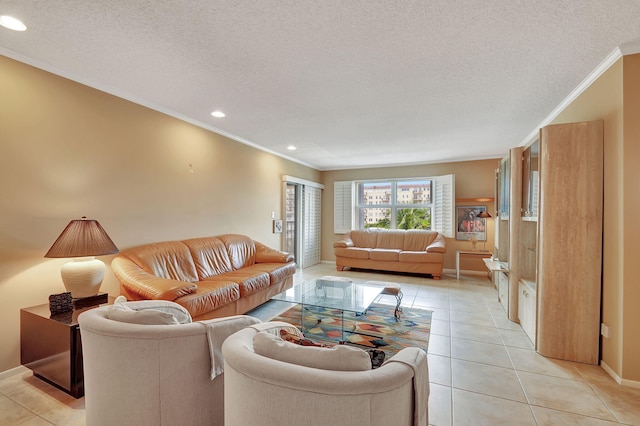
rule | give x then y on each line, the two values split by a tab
12	23
218	114
291	148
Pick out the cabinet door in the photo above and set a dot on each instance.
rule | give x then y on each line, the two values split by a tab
570	241
503	290
527	311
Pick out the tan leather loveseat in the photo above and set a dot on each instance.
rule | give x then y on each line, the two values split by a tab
413	250
211	277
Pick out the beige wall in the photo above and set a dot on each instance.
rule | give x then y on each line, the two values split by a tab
615	98
67	150
474	179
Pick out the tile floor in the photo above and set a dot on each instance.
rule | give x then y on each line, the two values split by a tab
483	369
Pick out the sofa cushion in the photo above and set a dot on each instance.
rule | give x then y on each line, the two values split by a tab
353	252
171	259
420	257
365	238
337	358
387	255
210	256
277	271
241	249
209	296
390	239
418	240
148	312
249	280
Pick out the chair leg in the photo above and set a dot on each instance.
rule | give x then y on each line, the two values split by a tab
396	312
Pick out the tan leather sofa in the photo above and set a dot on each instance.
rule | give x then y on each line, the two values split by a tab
412	250
211	277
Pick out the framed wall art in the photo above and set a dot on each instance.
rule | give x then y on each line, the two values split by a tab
468	225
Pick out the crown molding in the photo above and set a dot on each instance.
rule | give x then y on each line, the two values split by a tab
620	51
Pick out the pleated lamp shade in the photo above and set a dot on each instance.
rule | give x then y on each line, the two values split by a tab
82	239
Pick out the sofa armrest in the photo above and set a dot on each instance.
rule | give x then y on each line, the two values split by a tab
146	285
344	241
266	254
439	245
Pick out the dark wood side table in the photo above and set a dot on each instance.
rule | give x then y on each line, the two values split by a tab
50	345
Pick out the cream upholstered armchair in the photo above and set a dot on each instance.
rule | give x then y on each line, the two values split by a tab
142	366
267	391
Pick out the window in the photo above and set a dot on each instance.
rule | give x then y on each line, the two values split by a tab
394	204
418	203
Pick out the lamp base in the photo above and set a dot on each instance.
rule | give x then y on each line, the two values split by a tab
98	299
83	276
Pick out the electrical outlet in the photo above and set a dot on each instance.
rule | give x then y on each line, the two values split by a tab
604	330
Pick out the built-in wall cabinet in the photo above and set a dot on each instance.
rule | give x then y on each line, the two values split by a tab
554	243
506	260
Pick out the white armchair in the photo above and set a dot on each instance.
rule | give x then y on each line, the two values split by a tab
260	390
139	375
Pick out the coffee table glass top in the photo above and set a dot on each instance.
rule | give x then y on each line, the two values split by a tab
346	296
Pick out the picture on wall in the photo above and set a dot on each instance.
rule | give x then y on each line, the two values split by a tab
469	225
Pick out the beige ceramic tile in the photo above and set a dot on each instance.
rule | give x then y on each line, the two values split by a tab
12	413
516	339
440	327
467	305
440	314
549	417
39	421
486	379
439	405
473	318
41	397
439	345
439	369
431	302
478	333
531	361
474	409
501	321
624	402
485	353
573	396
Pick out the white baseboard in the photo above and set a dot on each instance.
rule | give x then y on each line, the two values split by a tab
466	272
619	380
13	372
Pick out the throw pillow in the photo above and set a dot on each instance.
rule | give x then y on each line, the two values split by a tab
337	358
377	356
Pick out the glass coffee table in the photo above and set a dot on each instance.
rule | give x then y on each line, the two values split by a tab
329	292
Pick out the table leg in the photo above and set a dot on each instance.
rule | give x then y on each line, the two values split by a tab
457	266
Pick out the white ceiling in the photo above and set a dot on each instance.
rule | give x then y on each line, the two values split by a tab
351	83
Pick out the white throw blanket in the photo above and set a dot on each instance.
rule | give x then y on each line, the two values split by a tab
274	327
417	359
217	331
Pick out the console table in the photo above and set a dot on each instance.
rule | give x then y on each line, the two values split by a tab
51	347
481	253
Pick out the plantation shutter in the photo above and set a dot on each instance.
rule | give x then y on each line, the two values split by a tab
342	207
444	205
311	211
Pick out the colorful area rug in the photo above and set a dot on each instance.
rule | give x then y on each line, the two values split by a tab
376	329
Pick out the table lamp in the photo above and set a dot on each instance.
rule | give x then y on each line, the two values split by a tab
484	215
82	240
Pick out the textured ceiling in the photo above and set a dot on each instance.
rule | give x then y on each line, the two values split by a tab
351	83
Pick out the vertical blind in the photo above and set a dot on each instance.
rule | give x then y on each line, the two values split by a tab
311	211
